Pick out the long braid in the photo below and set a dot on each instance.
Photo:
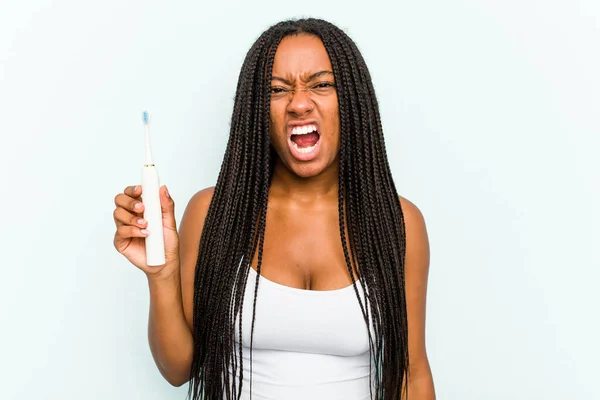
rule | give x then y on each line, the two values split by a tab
378	198
368	207
265	151
343	70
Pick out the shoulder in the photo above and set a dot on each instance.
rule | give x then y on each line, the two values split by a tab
194	215
413	217
417	241
200	201
198	205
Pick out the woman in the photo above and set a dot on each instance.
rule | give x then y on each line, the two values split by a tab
305	193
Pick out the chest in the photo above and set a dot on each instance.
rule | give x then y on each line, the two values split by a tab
303	249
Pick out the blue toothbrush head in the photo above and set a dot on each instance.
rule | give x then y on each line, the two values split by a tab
145	116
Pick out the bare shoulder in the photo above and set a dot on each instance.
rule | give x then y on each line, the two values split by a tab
412	214
200	201
193	218
417	241
190	232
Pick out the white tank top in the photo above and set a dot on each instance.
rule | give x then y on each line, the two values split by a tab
307	344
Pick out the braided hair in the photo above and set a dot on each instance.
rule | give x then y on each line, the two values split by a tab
368	207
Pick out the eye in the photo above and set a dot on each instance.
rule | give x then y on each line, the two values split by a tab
323	87
278	90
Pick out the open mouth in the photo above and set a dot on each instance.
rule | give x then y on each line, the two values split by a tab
304	142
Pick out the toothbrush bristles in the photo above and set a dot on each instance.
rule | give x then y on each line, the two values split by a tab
145	116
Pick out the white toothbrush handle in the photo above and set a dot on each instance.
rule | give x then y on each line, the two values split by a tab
155	242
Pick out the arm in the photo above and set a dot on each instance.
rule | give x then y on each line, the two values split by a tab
420	380
171	299
170	338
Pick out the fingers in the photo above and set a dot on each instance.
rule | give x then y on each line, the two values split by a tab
168	208
132	204
129	207
124	234
128	231
124	217
127	216
133	191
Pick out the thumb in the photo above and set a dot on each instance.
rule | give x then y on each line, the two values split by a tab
168	209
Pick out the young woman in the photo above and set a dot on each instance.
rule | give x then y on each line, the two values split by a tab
302	273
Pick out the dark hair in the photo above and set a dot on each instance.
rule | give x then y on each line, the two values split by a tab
235	223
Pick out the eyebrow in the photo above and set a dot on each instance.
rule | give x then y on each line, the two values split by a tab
310	78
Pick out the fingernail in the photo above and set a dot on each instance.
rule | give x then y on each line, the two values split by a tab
144	231
140	221
136	188
167	192
138	206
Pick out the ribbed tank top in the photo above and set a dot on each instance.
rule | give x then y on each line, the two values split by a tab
308	344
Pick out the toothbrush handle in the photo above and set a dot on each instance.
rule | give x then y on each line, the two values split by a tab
155	243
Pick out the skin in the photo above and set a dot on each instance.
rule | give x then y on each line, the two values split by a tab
302	215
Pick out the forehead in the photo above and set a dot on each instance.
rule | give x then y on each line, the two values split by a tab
300	55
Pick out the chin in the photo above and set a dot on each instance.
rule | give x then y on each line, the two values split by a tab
307	170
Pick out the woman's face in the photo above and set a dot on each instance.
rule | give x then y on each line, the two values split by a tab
305	126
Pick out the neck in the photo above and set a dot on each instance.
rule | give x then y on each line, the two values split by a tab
323	187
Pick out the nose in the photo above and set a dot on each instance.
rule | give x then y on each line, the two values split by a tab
300	103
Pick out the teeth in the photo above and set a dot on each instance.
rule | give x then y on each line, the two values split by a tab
304	149
302	130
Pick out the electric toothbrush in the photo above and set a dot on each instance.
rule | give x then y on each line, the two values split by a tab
155	242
